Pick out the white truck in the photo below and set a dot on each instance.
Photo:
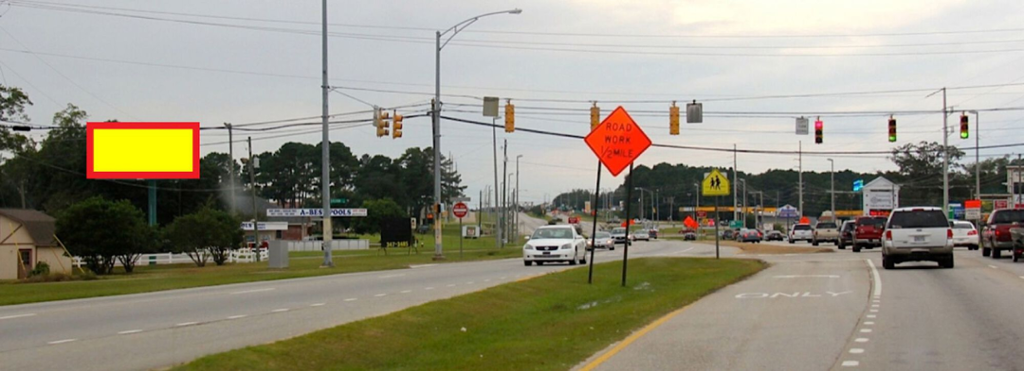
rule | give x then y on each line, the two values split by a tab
826	231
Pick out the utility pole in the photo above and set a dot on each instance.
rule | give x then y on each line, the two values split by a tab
515	216
735	186
504	192
255	212
480	212
744	181
833	176
231	166
696	198
325	168
945	156
657	205
494	139
800	190
977	157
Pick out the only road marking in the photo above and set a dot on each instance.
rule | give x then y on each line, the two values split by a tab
252	291
32	314
129	332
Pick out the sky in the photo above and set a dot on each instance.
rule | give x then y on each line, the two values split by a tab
252	61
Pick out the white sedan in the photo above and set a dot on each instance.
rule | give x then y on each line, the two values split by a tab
555	243
964	234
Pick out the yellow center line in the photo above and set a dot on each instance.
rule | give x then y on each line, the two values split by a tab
631	338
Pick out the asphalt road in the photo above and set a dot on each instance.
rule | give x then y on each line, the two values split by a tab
831	311
153	330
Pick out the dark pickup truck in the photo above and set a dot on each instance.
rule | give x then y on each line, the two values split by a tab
996	234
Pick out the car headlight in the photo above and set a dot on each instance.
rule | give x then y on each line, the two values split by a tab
567	246
527	247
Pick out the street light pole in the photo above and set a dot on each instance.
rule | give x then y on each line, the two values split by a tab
977	156
515	216
435	114
833	176
325	152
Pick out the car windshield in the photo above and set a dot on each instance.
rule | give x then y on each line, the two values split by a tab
802	227
603	235
545	233
848	226
827	225
918	219
618	230
878	222
963	225
1008	216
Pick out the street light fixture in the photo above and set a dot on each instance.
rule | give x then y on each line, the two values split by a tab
436	114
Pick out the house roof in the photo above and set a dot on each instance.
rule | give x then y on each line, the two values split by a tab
881	182
39	225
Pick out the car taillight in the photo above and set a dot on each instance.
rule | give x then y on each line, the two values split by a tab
972	233
888	235
998	232
949	234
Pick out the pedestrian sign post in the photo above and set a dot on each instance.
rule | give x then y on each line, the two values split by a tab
715	184
617	142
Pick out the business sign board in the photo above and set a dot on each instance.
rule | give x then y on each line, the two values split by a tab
142	150
878	199
315	212
266	226
788	211
395	232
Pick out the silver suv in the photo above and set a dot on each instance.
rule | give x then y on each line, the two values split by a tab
917	234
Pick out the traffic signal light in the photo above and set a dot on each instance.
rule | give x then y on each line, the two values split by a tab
510	117
396	126
595	116
818	128
673	119
964	129
892	129
381	120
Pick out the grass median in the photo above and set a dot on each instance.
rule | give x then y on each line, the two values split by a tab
768	248
552	322
301	264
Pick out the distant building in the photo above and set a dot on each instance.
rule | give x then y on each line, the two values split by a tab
880	197
27	238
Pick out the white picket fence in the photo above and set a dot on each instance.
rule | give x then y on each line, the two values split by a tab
244	255
335	245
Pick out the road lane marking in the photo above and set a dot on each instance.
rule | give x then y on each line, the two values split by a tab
878	279
874	311
421	266
470	282
281	310
240	316
429	288
808	276
406	291
797	294
872	316
452	285
487	280
392	276
1022	277
865	330
317	304
252	291
129	332
861	340
851	363
183	324
504	277
992	266
32	314
380	295
351	299
856	351
874	305
62	341
631	338
869	323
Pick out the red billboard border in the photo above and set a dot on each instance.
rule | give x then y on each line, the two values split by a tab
91	174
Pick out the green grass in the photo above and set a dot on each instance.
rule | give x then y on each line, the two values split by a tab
301	264
552	322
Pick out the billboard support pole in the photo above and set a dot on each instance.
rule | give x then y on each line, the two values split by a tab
593	233
152	201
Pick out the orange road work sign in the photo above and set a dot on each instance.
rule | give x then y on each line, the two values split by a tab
618	141
142	150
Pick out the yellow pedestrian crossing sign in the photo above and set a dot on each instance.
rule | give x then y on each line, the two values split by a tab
715	184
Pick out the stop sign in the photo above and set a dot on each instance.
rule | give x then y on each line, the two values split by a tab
460	210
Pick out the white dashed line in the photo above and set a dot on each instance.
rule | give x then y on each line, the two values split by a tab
874	311
62	341
856	351
252	291
876	301
861	340
470	282
992	266
1022	277
380	295
869	323
874	305
871	316
351	299
505	277
318	304
240	316
406	291
183	324
452	285
129	332
281	310
851	363
429	288
865	330
32	314
487	280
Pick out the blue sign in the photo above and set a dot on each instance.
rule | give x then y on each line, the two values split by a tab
788	212
315	212
858	185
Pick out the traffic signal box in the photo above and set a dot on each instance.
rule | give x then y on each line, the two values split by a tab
818	129
396	125
595	116
965	131
510	117
892	129
380	120
673	119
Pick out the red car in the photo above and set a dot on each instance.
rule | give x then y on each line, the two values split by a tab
996	235
867	232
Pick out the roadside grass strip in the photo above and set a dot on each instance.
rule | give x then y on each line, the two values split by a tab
180	276
768	248
551	322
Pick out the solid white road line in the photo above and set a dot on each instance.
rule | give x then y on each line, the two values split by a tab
851	363
252	291
129	332
62	341
351	299
238	316
183	324
282	310
317	304
32	314
809	276
878	279
392	275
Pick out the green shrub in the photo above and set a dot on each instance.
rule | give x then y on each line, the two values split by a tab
41	269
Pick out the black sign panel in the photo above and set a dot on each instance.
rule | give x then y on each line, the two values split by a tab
396	232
